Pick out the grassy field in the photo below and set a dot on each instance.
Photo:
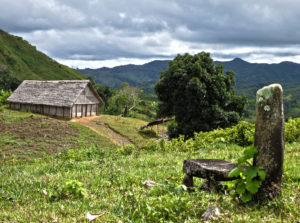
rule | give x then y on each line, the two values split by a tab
45	184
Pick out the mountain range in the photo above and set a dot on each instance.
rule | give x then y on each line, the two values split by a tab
245	73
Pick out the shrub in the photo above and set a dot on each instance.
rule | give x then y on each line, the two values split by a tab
126	149
292	130
250	177
3	96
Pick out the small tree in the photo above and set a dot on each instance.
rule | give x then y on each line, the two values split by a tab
198	94
124	100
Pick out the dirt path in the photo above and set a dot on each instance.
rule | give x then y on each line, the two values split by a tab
98	126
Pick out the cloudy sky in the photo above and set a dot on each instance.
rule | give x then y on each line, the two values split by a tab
97	33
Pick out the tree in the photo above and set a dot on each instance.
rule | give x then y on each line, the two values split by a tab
7	81
198	94
124	100
105	92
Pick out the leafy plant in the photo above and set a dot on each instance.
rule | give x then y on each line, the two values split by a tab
126	149
3	96
250	177
75	188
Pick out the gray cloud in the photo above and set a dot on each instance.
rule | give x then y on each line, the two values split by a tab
111	29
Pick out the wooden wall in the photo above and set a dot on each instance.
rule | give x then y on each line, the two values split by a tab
61	112
83	110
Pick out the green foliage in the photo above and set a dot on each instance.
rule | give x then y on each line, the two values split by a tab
126	149
71	188
250	177
292	130
75	188
198	94
105	92
3	96
7	81
124	100
241	134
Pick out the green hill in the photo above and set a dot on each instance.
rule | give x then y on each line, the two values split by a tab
24	61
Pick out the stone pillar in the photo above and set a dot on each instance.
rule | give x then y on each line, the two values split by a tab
269	138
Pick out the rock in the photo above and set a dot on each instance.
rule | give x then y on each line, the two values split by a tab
269	138
212	169
211	213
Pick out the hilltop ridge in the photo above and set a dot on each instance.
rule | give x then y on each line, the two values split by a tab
24	61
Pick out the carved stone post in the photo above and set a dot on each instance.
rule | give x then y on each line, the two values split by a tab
269	138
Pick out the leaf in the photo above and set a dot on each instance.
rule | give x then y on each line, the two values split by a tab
252	186
261	174
242	160
246	197
251	172
235	172
241	187
149	183
250	152
92	217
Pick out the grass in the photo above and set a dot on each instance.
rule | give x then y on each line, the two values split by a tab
24	61
128	128
24	136
35	191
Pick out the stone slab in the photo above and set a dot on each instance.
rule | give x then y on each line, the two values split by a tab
212	169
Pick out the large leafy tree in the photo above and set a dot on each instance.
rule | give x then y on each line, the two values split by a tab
198	94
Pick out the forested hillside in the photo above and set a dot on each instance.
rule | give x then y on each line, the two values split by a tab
24	61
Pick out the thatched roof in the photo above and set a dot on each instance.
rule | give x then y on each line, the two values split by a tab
55	93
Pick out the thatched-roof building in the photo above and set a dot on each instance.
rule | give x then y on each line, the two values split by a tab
65	99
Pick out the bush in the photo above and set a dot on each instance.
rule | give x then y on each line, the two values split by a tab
3	96
292	130
241	134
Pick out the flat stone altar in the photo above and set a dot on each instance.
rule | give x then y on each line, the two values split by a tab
210	169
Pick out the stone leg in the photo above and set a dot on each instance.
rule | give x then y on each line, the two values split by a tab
188	181
209	185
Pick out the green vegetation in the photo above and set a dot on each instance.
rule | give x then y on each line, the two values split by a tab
3	96
64	170
7	81
249	78
23	61
25	135
198	94
124	100
251	176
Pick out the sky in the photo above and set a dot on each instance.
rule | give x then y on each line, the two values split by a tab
98	33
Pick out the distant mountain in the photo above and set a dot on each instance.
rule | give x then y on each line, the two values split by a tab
136	75
245	73
253	73
25	62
